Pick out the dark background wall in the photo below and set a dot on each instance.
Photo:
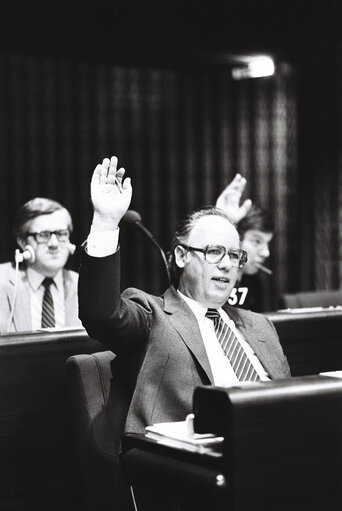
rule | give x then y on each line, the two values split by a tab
152	85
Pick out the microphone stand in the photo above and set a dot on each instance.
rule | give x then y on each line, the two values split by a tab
156	244
132	217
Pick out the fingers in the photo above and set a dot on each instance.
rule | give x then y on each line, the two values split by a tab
127	185
238	183
246	206
107	173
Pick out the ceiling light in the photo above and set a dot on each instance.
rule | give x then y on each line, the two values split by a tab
254	67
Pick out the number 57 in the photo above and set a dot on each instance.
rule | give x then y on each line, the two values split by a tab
238	296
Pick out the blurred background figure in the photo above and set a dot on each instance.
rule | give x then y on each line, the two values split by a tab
256	232
36	291
255	226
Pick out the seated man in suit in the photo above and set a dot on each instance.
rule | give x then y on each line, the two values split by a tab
169	342
166	346
39	292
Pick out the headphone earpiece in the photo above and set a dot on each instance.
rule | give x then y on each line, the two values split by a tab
72	248
28	255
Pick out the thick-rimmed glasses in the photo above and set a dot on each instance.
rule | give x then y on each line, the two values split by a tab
44	236
215	253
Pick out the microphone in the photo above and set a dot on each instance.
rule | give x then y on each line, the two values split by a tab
132	217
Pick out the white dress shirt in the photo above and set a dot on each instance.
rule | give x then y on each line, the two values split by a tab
102	243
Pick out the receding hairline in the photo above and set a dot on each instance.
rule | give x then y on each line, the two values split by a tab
215	217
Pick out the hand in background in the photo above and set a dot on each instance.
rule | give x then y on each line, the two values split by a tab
229	199
110	194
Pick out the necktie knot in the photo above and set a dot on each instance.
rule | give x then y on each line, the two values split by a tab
47	282
212	314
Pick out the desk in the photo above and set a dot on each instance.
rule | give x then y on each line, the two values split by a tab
312	340
197	478
282	449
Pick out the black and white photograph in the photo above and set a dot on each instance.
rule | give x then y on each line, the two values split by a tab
171	255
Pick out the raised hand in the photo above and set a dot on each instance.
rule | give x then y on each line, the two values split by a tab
229	199
110	194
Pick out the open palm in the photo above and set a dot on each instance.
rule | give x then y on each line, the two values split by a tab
229	199
110	195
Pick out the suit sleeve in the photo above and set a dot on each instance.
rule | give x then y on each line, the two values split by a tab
283	359
121	323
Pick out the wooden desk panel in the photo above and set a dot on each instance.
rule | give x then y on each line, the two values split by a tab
38	462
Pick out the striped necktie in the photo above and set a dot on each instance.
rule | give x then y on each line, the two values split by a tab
232	348
48	310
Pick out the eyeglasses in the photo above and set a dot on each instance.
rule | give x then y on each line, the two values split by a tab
44	236
215	253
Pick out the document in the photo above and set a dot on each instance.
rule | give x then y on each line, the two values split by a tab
180	435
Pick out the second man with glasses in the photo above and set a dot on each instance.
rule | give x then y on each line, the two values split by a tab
37	291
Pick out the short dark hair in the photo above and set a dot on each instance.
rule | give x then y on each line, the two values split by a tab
182	231
258	219
32	209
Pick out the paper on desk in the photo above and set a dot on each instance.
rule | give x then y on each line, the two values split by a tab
180	431
335	374
299	310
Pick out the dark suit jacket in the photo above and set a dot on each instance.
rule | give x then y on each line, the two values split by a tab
158	342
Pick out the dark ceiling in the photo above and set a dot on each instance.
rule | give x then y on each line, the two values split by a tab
127	31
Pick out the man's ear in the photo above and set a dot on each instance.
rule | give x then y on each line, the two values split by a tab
181	256
21	243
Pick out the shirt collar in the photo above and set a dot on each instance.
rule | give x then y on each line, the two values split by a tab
196	307
35	279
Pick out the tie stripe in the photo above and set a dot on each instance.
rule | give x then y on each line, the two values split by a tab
48	310
232	348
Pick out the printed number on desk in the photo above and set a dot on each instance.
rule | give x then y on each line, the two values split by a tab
238	296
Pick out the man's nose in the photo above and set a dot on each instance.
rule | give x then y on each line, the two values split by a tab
53	241
225	262
264	250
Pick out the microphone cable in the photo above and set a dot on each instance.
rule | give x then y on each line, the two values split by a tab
19	257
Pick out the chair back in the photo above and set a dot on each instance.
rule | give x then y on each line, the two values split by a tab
99	412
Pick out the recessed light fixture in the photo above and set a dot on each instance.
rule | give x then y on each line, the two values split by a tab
254	67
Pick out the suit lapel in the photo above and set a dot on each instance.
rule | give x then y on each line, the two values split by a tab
253	337
184	321
22	307
70	299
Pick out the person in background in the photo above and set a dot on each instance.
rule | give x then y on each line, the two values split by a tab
37	291
168	345
255	226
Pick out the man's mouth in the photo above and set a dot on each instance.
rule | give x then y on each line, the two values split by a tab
223	280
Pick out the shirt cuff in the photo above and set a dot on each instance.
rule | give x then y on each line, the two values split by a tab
102	243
